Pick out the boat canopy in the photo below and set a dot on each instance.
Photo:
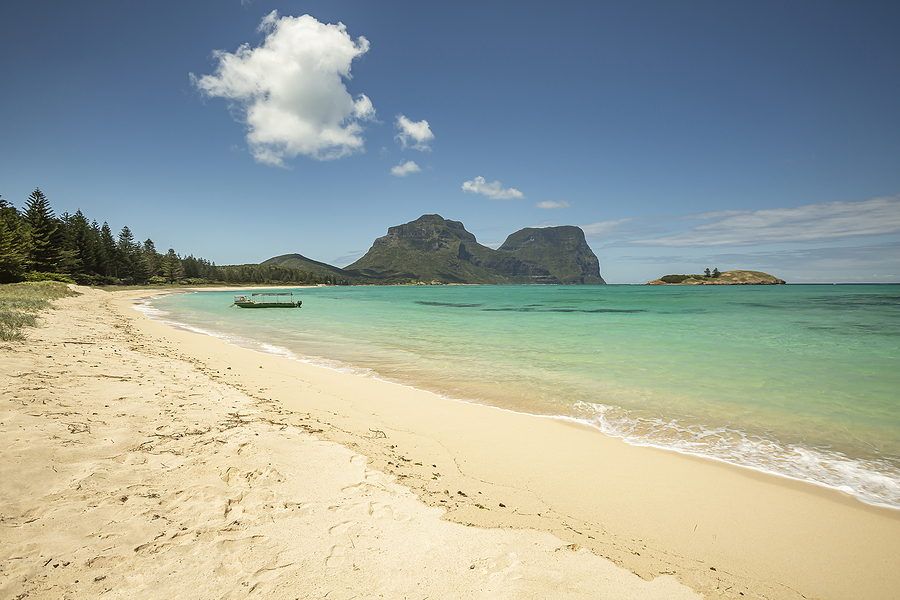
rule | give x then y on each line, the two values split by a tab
266	299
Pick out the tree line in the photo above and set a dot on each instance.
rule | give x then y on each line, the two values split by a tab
37	245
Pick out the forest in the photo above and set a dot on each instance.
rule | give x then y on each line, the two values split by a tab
36	245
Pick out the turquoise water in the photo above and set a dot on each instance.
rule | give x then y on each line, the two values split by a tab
801	381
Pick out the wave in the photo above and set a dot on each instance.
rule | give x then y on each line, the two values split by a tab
874	482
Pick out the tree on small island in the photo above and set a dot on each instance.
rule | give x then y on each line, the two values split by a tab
715	272
706	272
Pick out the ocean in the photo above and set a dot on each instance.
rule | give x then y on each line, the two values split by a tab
801	381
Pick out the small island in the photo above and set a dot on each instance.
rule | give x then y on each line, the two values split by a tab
717	278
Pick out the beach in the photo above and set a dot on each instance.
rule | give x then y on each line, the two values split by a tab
142	460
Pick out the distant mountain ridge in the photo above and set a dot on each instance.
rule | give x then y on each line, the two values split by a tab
432	249
298	261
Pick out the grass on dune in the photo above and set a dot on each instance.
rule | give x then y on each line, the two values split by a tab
21	302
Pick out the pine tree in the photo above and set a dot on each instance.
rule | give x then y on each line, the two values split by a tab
172	268
149	260
99	266
70	260
12	243
42	233
81	238
110	264
126	251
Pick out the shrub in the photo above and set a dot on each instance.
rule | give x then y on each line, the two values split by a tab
19	303
96	280
674	278
43	276
12	322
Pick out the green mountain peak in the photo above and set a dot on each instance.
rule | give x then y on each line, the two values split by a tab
434	249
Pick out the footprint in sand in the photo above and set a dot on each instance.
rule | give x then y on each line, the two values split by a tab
343	508
335	556
341	528
504	567
231	476
267	476
239	546
377	510
234	508
361	487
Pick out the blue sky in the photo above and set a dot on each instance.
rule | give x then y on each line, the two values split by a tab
678	135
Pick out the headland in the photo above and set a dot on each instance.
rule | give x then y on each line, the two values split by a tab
715	278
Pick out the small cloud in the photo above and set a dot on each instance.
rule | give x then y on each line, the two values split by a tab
550	204
405	168
417	132
290	91
491	190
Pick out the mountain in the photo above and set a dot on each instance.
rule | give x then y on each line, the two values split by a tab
434	249
563	251
298	261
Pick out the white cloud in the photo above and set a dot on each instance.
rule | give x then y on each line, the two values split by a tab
549	204
491	190
405	168
813	222
290	90
631	228
416	131
829	221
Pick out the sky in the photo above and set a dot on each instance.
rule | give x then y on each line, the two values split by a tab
679	136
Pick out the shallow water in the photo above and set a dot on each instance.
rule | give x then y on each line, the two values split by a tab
802	381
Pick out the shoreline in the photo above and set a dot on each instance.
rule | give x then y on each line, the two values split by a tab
829	462
717	528
320	362
654	467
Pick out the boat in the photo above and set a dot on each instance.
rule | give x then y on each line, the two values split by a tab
267	300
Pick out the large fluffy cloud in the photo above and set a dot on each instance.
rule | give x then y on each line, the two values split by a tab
414	134
290	91
491	190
